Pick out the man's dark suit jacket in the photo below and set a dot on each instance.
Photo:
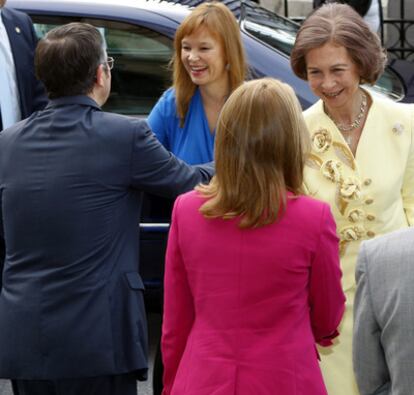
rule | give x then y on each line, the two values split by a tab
71	178
23	42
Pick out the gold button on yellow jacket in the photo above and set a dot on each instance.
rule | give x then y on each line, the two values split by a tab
370	194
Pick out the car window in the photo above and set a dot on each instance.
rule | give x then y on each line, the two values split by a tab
280	34
141	72
270	28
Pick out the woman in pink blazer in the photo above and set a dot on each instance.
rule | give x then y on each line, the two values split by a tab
252	276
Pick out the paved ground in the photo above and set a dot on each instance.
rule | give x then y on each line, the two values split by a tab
144	388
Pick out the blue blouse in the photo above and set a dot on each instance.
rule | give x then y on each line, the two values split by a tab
194	143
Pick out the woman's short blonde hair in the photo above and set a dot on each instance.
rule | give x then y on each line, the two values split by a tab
221	24
260	148
342	25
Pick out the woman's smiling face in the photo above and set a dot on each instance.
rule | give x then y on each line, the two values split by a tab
332	75
203	57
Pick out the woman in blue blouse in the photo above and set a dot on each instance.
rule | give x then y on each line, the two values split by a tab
209	63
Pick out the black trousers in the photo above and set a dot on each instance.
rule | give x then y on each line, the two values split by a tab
125	384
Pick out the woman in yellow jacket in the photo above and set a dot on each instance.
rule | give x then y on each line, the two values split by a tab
362	159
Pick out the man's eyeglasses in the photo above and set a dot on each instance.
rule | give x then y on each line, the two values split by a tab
110	62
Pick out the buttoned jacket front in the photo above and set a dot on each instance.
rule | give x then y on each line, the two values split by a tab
373	192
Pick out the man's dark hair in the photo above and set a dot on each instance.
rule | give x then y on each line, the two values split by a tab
67	57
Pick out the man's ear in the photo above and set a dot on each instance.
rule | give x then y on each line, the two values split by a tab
100	70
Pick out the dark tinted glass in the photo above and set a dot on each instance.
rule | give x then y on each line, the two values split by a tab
141	56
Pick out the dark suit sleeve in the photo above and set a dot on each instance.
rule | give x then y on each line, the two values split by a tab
23	43
318	3
360	6
368	355
155	170
2	247
39	99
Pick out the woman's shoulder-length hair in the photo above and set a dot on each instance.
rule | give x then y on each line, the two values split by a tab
221	24
260	149
340	24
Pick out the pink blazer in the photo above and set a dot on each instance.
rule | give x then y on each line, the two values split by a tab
244	308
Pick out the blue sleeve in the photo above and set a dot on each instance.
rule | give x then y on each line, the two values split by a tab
160	118
157	171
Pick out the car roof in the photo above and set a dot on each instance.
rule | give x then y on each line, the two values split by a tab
237	7
172	10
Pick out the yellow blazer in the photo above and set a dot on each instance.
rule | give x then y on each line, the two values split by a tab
373	192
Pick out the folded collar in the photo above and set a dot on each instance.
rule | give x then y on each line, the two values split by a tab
67	100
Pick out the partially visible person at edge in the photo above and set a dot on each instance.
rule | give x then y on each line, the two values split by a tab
383	348
362	158
252	275
368	9
21	92
72	314
209	63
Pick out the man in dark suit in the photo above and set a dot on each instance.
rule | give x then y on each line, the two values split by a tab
361	6
72	317
17	45
370	10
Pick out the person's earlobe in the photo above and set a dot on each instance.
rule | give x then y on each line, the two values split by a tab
99	75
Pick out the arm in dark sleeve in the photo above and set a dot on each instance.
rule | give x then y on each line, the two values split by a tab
327	300
155	170
2	245
360	6
318	3
39	93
